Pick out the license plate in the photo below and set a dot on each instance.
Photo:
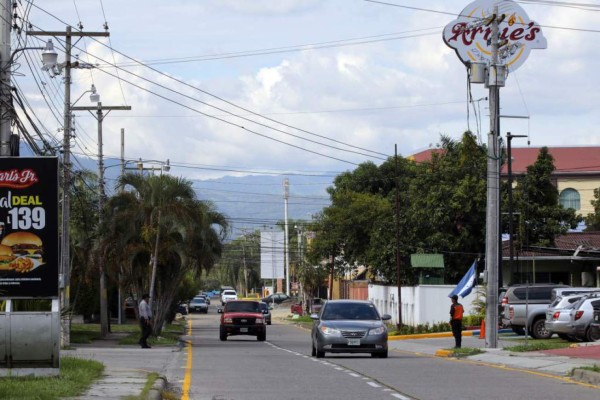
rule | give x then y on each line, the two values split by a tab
353	342
243	329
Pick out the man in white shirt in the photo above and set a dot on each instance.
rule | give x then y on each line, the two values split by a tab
145	321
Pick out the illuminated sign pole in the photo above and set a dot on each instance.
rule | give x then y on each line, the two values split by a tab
491	38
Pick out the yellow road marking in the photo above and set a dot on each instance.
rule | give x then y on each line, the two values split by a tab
504	367
187	380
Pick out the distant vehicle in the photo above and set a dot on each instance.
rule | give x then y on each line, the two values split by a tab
242	317
227	295
315	305
266	310
278	297
349	326
182	308
198	305
203	296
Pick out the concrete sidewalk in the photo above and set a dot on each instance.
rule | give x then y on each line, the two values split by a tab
127	367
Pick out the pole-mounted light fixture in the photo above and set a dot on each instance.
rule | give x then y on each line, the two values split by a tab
49	56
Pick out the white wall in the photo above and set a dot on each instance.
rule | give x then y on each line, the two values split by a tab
420	304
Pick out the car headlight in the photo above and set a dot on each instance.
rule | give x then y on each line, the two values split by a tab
228	321
377	331
329	331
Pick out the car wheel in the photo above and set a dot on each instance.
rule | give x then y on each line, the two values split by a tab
539	331
591	336
313	351
269	322
223	335
380	355
519	330
319	354
261	337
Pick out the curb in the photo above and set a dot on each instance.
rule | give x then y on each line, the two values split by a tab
428	335
587	376
155	393
443	353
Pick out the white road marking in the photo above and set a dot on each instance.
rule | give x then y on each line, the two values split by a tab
373	384
399	396
354	375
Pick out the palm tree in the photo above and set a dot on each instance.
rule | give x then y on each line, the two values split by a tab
160	226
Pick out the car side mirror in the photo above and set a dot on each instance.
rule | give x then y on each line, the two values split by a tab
386	317
314	317
220	310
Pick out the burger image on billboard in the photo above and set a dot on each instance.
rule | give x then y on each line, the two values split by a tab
6	257
24	244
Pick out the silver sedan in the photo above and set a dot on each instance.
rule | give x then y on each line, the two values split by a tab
349	326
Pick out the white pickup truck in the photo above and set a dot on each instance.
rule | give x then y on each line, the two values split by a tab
228	294
525	306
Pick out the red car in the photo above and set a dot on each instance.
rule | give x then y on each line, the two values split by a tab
242	317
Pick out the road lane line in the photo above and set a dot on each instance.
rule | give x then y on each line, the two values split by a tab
373	384
399	396
187	380
354	375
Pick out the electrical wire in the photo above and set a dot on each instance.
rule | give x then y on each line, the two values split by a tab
215	96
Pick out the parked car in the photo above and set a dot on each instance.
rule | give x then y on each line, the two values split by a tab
278	297
242	317
198	304
581	317
525	307
227	295
349	326
182	308
266	310
203	296
568	291
595	325
558	316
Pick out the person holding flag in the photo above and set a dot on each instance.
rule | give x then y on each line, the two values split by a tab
464	287
456	316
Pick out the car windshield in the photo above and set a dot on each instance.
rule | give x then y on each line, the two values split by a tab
229	293
264	306
350	311
242	306
197	301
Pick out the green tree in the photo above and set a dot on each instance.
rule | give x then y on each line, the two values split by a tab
593	220
536	198
158	228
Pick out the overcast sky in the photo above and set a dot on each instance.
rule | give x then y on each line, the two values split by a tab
356	77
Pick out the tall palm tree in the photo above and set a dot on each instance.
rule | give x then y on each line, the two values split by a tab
157	232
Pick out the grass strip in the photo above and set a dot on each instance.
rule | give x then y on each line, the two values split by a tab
76	375
152	377
537	345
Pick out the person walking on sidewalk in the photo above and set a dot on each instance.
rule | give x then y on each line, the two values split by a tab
456	316
145	321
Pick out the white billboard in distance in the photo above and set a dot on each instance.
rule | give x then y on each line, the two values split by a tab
271	255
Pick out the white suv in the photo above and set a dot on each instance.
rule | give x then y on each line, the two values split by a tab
227	295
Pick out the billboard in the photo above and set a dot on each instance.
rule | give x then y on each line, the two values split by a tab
28	227
470	34
271	255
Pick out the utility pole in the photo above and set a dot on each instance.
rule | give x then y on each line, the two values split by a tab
5	96
509	138
65	266
493	182
286	194
398	237
101	198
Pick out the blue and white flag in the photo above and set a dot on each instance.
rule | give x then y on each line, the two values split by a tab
467	283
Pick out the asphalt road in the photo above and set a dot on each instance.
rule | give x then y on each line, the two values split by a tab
242	368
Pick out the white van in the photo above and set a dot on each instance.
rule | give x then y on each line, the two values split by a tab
228	294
